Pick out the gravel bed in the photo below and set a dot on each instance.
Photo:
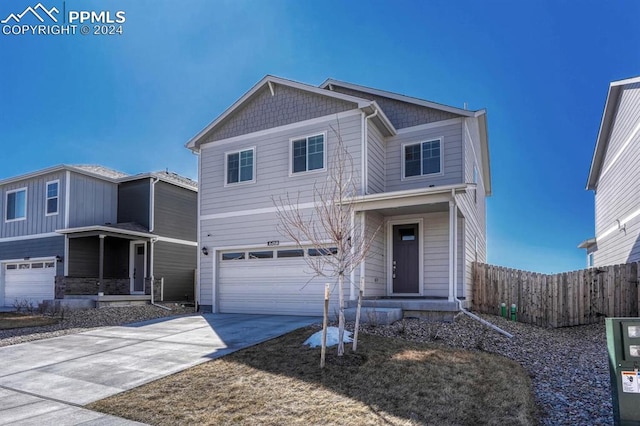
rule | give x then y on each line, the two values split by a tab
79	320
568	366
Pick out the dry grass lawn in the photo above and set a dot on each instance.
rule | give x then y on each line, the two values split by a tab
18	320
389	381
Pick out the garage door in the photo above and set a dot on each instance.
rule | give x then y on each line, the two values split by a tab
30	281
274	282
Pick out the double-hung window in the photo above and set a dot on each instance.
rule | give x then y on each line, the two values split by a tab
240	166
424	158
308	153
52	197
16	203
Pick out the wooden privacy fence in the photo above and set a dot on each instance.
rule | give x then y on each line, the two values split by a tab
559	300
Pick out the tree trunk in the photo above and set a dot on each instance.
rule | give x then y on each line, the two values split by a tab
341	315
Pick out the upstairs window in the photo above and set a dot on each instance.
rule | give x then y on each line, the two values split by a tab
16	205
423	158
52	197
240	166
308	154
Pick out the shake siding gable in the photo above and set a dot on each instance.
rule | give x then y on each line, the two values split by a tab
272	168
265	111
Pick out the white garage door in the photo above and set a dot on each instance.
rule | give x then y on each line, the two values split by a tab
267	282
29	281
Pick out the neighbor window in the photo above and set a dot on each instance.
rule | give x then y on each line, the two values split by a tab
422	158
16	205
307	154
240	166
52	197
233	256
323	251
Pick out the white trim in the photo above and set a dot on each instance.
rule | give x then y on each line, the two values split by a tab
622	148
253	167
306	172
29	237
6	204
453	249
429	126
264	210
247	247
47	198
152	203
95	228
132	255
199	237
30	260
281	129
66	255
422	175
214	281
405	221
363	159
177	241
67	198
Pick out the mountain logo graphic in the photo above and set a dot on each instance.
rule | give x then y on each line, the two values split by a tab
34	11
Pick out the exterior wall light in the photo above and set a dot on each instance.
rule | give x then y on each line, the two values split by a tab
205	251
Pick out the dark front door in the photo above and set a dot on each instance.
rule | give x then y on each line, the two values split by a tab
405	264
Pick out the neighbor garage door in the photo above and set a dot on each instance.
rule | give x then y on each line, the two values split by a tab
274	282
29	281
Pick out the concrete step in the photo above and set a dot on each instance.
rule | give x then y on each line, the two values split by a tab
371	315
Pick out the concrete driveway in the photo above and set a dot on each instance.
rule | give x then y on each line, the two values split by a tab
47	381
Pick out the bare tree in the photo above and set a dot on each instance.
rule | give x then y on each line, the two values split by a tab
329	227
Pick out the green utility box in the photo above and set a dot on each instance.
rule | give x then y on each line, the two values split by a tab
623	343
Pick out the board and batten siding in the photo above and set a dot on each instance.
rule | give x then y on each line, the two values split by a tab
451	148
176	212
36	222
272	167
93	201
617	193
33	248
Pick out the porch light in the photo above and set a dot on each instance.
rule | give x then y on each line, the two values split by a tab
205	251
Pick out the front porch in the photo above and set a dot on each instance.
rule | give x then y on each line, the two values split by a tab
382	310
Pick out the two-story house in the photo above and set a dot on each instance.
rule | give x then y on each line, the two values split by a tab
614	177
423	171
77	231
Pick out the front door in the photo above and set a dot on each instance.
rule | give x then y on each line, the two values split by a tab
405	263
139	267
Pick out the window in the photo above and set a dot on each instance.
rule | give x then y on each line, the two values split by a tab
323	251
290	253
16	205
260	255
590	260
12	266
422	158
232	256
52	197
307	154
240	166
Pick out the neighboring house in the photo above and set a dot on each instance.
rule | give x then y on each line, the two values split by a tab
614	178
424	173
90	229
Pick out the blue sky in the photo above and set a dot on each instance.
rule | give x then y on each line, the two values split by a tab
131	101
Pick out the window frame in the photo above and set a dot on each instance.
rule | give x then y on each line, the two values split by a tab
47	198
6	205
226	167
324	154
422	174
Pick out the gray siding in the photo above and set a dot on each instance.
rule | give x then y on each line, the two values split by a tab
375	265
289	105
93	201
36	221
83	257
133	202
436	254
452	149
376	160
401	114
37	247
272	157
175	263
176	212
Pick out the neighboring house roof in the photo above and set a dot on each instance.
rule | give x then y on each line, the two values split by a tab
608	116
99	170
588	243
128	229
165	176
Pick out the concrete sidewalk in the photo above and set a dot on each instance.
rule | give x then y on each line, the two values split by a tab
47	381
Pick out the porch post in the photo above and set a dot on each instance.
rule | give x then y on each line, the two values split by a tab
101	264
452	249
352	275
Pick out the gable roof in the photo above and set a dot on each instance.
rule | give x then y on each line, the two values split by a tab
271	81
165	176
602	142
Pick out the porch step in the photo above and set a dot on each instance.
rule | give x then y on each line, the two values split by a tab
373	315
74	302
436	305
123	300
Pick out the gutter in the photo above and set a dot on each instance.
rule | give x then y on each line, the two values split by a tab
365	150
152	200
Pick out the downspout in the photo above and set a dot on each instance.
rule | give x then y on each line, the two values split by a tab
152	200
153	302
365	151
459	302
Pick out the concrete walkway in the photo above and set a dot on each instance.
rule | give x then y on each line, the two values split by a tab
48	381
